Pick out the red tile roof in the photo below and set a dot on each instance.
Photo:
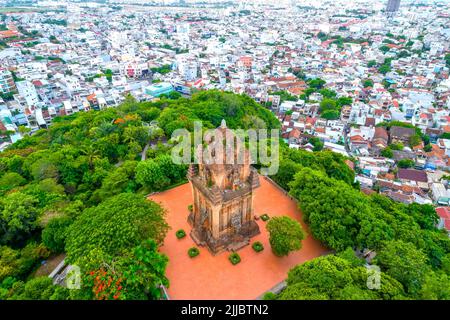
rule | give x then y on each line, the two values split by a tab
381	133
356	138
295	133
413	175
8	34
444	213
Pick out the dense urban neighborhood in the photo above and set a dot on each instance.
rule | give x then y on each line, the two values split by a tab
91	92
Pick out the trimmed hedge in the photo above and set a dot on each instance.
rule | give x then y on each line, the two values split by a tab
193	252
234	258
180	234
258	246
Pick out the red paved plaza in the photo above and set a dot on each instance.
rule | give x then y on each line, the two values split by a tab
214	277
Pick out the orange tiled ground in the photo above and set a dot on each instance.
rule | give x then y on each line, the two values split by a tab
214	277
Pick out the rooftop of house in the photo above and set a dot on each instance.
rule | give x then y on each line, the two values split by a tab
401	132
444	213
412	175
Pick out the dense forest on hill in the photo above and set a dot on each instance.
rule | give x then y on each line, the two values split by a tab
78	188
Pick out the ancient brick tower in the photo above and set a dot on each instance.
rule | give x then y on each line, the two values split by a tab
222	215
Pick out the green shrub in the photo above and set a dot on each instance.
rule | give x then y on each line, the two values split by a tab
190	207
258	246
269	296
286	235
180	234
234	258
55	232
265	217
193	252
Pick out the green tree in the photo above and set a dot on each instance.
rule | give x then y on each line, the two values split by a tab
387	152
436	286
174	95
447	60
301	291
344	101
327	104
55	233
331	163
404	262
37	289
327	93
317	143
286	172
134	133
384	49
286	235
10	181
136	275
115	225
159	173
18	216
424	215
349	255
384	69
149	173
397	146
330	115
415	140
121	179
333	277
24	130
322	36
403	54
368	83
405	163
44	169
371	63
339	215
317	83
40	288
18	263
299	74
446	264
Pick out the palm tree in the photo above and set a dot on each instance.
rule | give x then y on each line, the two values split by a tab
24	130
91	153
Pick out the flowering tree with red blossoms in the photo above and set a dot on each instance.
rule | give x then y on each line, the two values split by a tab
134	277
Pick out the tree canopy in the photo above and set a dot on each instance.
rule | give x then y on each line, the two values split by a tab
115	225
411	252
286	235
334	277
